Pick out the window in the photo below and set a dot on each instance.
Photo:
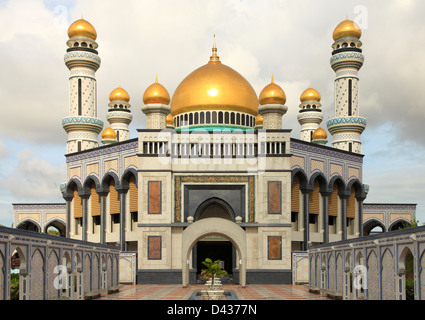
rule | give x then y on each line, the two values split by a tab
80	99
294	216
312	218
220	117
350	98
332	220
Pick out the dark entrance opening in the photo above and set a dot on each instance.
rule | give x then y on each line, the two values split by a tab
215	250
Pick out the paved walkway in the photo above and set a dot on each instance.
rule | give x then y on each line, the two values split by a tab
177	292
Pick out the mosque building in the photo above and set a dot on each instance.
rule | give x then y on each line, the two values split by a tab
215	173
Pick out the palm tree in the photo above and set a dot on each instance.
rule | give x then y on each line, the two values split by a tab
214	269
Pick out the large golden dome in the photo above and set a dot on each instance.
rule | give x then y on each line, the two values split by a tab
347	28
214	86
82	28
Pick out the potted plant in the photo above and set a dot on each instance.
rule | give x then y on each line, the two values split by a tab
212	273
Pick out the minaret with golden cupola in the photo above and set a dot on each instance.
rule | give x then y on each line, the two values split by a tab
272	106
156	107
82	59
119	115
347	125
310	116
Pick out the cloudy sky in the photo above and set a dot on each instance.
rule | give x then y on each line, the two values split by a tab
140	39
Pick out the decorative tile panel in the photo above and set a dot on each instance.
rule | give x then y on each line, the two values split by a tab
130	161
111	165
92	168
274	247
154	247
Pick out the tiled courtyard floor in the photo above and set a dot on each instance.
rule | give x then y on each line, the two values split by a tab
177	292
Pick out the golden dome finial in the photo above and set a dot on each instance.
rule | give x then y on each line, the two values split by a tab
119	94
214	58
156	93
347	28
310	95
82	28
272	94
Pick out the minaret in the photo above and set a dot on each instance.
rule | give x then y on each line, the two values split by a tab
157	106
347	58
119	115
310	116
82	124
272	106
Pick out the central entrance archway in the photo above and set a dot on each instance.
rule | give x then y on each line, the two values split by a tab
214	249
214	227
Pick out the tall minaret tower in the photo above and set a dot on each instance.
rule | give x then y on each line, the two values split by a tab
310	116
82	124
347	125
119	115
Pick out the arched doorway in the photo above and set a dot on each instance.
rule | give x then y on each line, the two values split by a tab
373	226
214	247
29	225
214	227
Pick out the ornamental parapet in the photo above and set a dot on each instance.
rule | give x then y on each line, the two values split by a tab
343	124
79	59
82	123
347	60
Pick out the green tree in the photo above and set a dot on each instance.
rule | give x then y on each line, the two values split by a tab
213	270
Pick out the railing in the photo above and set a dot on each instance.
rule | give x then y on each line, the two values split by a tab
51	267
374	267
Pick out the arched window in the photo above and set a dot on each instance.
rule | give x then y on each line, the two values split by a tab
196	118
243	119
214	117
220	117
232	118
202	116
238	119
190	119
208	117
226	118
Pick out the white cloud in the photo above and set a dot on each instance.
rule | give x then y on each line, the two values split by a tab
34	178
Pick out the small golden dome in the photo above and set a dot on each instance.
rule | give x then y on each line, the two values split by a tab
109	134
259	120
170	120
310	95
272	94
156	93
214	86
347	28
82	28
320	134
119	94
